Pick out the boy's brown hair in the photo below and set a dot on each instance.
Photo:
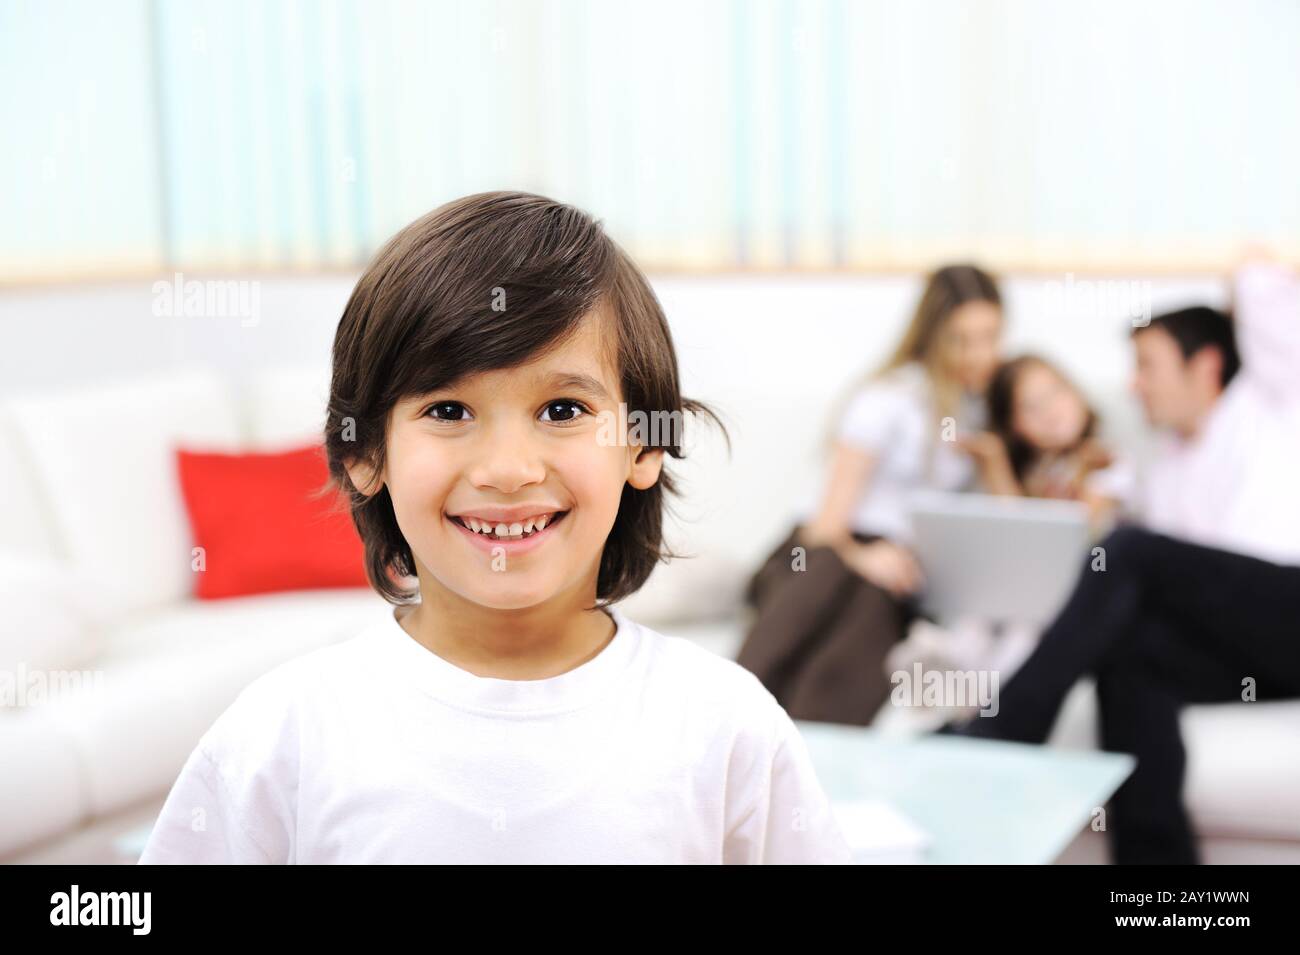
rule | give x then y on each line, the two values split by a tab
425	313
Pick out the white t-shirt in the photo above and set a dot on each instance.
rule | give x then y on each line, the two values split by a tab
893	418
377	750
1236	485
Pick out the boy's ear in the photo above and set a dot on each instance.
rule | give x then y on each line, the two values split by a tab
363	477
646	467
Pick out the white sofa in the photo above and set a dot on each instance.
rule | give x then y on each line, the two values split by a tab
94	556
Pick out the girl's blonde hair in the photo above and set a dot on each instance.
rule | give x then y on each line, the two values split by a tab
946	290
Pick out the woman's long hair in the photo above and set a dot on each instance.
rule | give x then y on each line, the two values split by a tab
946	290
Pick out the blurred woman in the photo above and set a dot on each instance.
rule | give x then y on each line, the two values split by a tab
836	594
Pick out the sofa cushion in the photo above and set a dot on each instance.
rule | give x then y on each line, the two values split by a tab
1243	762
42	610
285	406
162	679
26	521
104	458
263	524
702	585
44	791
1243	768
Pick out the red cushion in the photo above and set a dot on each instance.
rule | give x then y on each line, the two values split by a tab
259	526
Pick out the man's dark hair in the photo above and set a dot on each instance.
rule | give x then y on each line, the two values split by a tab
1199	327
422	316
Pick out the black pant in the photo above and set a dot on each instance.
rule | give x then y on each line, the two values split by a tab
1166	623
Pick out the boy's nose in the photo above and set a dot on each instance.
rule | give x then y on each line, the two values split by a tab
507	463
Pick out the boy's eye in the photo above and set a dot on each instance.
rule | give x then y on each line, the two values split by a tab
446	411
566	407
557	411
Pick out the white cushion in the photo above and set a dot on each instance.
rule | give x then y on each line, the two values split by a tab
43	793
26	524
164	677
42	624
1243	761
285	407
707	585
1243	768
106	461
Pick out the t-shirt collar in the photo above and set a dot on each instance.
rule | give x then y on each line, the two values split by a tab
459	687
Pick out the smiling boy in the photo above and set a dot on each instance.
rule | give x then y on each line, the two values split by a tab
506	710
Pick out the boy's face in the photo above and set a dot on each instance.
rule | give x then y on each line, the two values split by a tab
500	447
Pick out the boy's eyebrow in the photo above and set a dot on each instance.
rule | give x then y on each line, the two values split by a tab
577	381
556	380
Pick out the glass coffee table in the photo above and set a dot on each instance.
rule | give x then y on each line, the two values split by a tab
979	801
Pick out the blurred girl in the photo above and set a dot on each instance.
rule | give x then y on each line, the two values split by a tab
1043	441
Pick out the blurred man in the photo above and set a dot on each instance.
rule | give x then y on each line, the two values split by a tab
1201	602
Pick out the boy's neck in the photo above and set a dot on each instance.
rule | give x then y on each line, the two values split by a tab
533	643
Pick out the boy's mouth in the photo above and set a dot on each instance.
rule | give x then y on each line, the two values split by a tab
519	530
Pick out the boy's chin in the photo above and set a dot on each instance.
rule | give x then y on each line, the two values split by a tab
507	595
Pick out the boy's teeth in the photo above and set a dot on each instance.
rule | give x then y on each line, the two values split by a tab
517	529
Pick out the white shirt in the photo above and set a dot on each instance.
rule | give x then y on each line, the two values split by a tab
893	418
1236	484
376	750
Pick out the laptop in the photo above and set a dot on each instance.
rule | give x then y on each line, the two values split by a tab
1003	559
